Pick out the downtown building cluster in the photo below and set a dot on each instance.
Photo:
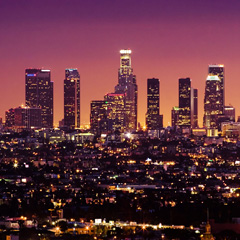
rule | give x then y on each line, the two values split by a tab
216	114
117	111
113	113
38	109
166	176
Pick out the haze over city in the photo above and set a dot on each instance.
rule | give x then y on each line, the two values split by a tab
169	40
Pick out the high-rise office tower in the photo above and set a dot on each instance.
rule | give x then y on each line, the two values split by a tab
99	122
194	108
153	119
175	117
185	102
127	85
212	104
39	93
116	110
218	70
72	98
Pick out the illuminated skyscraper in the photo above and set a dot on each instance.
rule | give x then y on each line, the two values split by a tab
175	117
72	99
39	93
218	70
98	118
194	108
153	119
185	102
212	104
127	85
116	110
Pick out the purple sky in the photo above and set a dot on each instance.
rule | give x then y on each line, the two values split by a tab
169	39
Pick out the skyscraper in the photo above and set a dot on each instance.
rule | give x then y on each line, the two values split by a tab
185	102
127	85
98	118
194	108
175	117
212	104
218	70
72	99
153	119
116	110
39	93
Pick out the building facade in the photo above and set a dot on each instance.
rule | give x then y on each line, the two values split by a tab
185	102
175	117
218	70
9	118
212	104
39	93
153	119
24	117
127	86
99	122
116	110
194	108
229	112
72	99
230	129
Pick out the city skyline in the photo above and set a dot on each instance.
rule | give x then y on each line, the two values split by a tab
161	48
119	119
125	59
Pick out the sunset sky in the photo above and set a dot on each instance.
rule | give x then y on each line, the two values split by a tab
170	39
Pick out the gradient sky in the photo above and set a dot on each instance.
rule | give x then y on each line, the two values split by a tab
170	39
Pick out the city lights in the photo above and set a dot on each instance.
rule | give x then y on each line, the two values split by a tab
125	51
130	131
